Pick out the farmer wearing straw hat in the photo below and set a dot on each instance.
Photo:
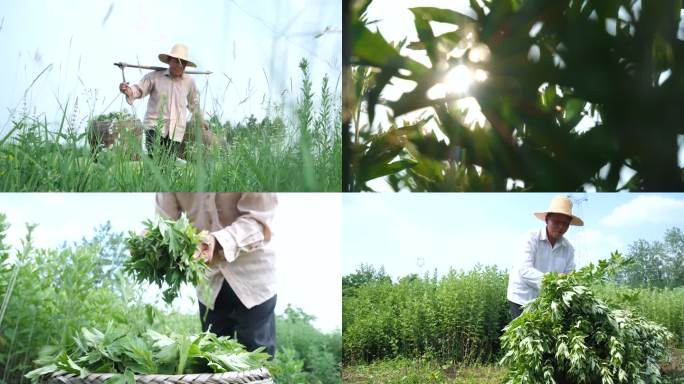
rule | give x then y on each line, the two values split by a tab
546	251
171	92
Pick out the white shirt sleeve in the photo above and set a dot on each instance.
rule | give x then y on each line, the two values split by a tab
571	259
252	230
528	273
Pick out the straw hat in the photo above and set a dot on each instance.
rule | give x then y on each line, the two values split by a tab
178	51
562	205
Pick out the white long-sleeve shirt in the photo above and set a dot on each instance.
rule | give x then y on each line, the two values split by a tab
538	258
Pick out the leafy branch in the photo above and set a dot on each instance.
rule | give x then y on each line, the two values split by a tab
164	254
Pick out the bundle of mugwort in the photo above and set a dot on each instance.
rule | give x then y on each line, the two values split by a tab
568	335
129	352
164	254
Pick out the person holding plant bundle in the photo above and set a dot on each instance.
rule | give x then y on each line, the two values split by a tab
546	251
241	280
171	92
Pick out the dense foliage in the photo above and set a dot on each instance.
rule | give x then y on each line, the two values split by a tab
318	355
164	254
456	317
574	95
568	335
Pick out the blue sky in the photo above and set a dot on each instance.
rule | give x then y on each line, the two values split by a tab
246	41
414	233
306	239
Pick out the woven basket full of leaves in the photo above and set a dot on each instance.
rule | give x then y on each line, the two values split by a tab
146	356
255	376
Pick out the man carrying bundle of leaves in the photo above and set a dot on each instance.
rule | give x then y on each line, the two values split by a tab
546	251
242	274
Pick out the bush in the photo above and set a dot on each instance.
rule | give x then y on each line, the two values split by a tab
320	354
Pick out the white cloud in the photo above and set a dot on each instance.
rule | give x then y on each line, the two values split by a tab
592	245
645	210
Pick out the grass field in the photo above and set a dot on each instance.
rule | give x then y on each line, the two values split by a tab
432	372
420	371
298	149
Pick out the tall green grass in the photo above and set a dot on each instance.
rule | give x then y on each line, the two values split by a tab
297	150
58	291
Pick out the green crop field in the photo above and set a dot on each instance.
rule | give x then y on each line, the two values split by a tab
294	148
447	329
49	295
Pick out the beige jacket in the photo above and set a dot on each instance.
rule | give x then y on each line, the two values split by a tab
169	98
241	223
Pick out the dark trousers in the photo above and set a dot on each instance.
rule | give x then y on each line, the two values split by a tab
516	309
164	142
255	327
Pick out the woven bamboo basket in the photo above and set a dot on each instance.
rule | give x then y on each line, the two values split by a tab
107	133
256	376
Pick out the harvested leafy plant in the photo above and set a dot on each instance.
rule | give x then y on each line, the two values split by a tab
129	352
568	335
164	254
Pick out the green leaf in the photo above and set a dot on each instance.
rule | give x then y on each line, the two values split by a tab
442	15
37	373
380	170
573	108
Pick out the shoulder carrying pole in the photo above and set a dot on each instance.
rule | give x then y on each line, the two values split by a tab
124	65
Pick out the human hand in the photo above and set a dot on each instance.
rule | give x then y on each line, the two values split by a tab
125	89
206	247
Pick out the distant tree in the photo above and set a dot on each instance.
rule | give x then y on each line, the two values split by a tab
656	264
111	247
674	249
365	274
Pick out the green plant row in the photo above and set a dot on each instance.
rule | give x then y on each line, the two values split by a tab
456	317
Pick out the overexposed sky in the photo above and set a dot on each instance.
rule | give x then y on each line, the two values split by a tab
253	48
306	239
417	233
